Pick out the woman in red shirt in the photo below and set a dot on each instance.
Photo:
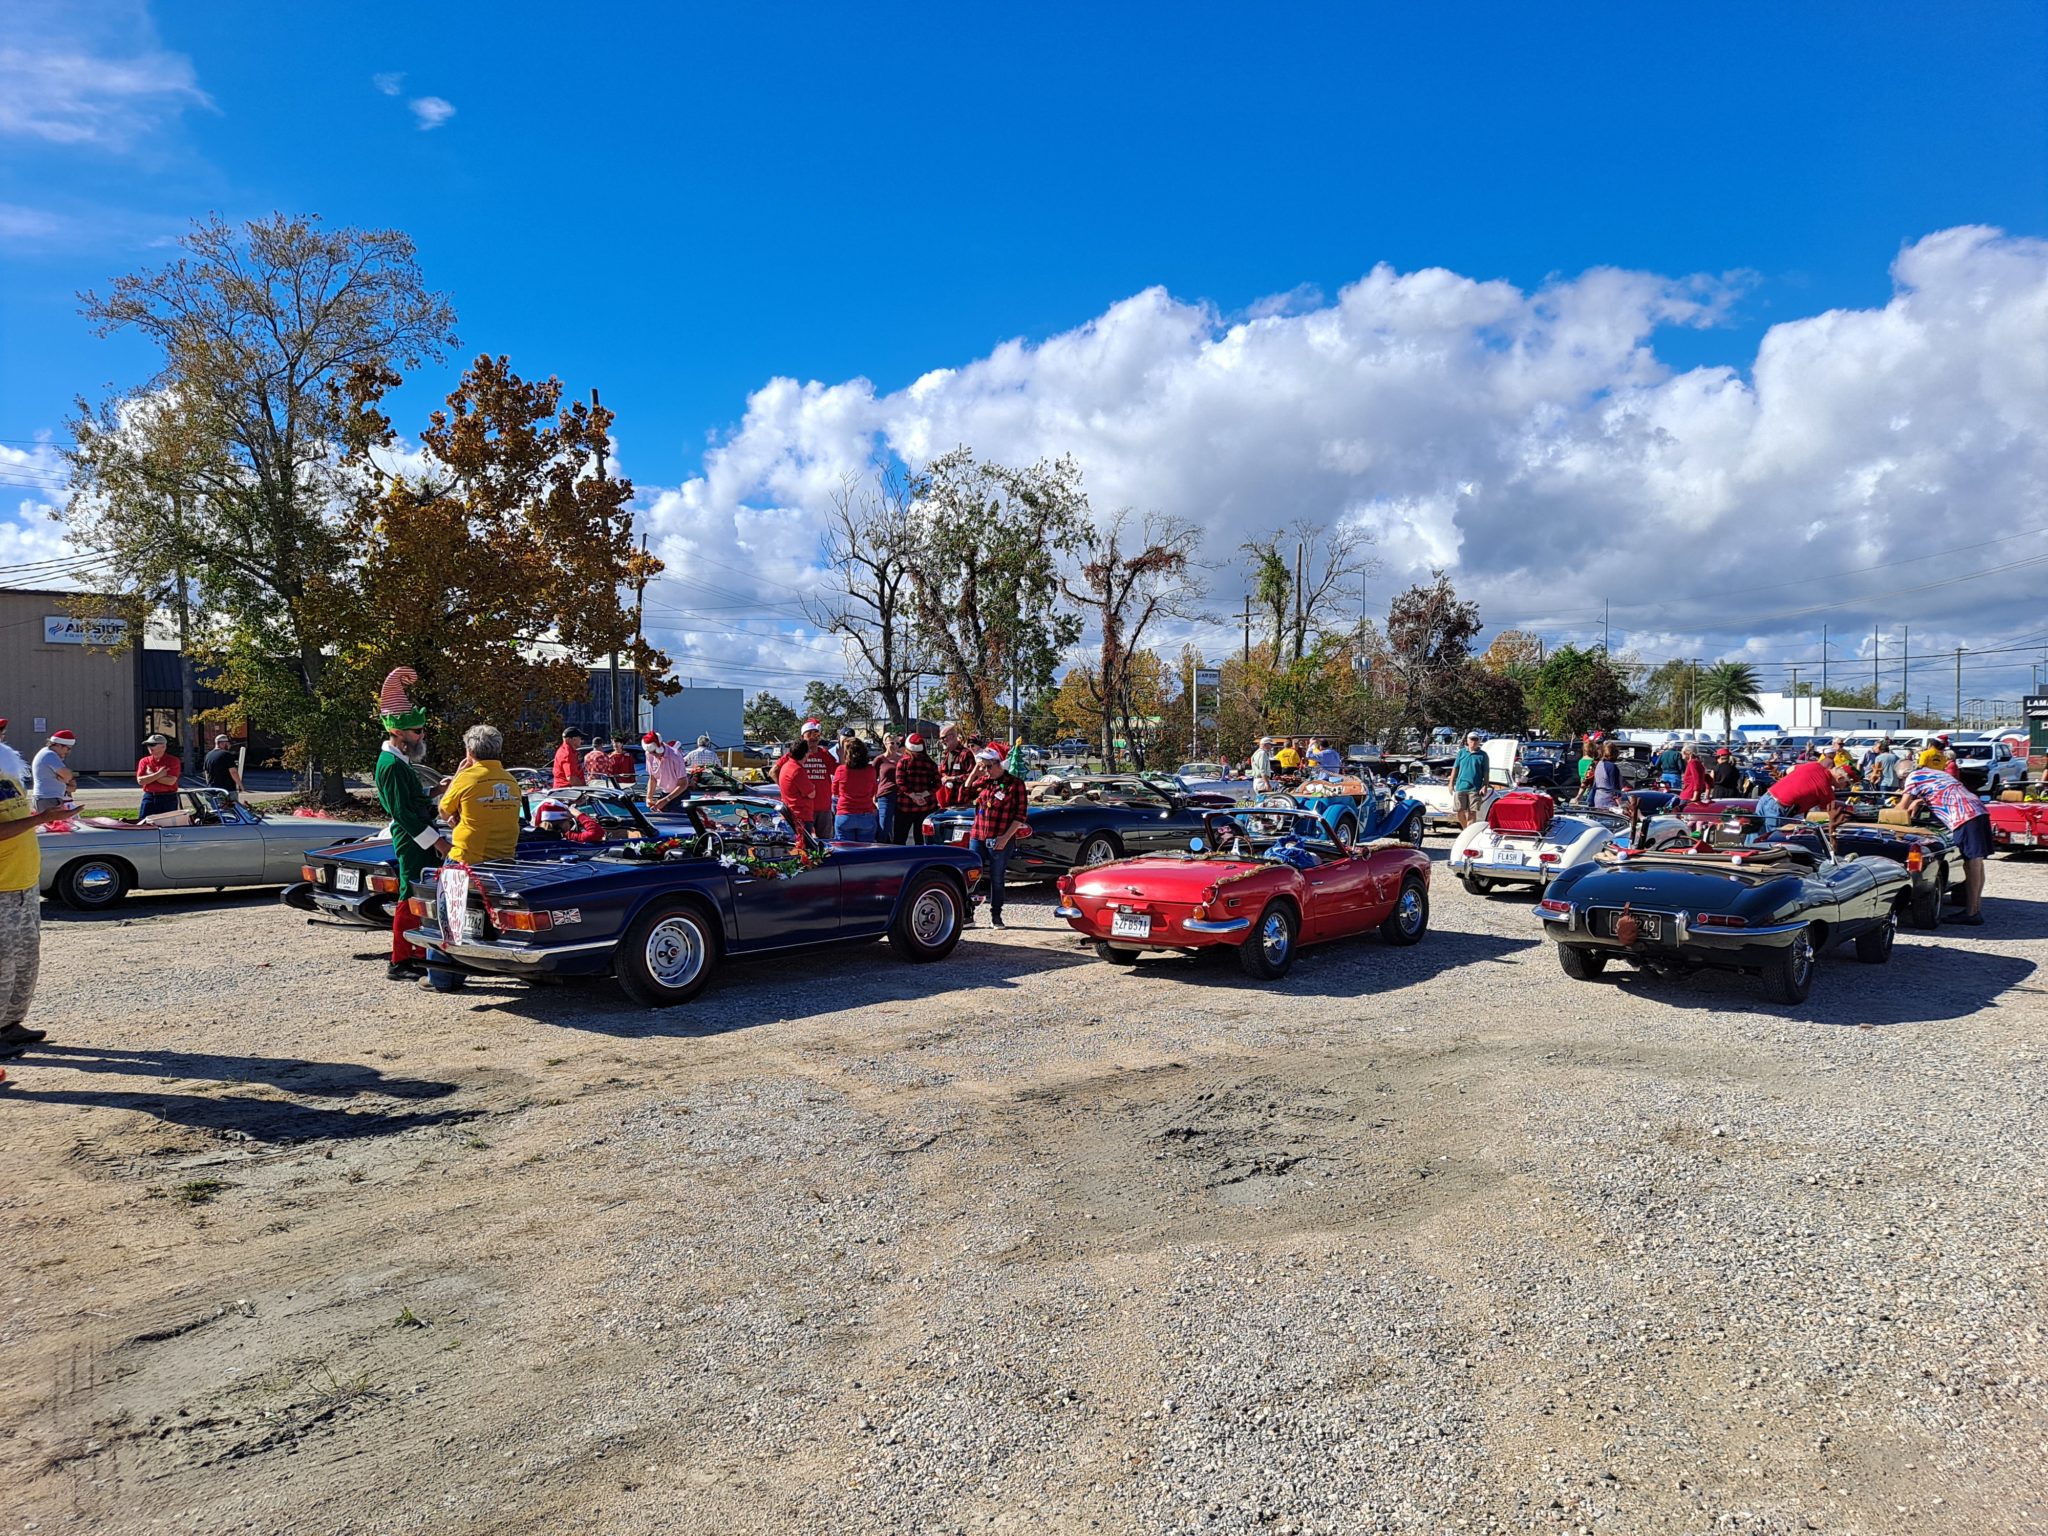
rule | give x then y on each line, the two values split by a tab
1695	784
853	783
794	780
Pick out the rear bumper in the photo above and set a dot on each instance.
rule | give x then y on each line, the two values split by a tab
372	908
521	959
1733	947
1526	874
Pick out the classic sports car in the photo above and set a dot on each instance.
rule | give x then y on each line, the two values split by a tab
1526	838
1357	809
1088	819
2019	825
1934	870
1264	882
1432	791
662	916
91	862
357	882
1768	909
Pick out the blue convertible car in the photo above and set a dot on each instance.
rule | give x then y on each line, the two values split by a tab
661	916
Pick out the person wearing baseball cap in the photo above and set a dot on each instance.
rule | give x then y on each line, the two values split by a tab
221	768
156	775
569	760
21	901
1727	775
819	764
1468	779
1000	807
917	791
54	782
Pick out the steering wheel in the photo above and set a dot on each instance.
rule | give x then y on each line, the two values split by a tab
710	845
1225	832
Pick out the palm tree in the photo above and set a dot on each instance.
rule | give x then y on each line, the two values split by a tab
1729	686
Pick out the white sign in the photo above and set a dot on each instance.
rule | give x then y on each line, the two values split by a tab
58	630
1208	677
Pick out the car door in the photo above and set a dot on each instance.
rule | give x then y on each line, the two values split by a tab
1342	892
220	852
1157	826
772	911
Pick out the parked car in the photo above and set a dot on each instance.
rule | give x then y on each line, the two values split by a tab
210	841
1922	847
1088	819
1357	809
1432	791
1264	881
662	916
1988	767
1525	839
1768	910
2021	826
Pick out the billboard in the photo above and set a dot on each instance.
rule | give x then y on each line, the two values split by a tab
59	629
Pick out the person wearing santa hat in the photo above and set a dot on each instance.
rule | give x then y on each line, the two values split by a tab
819	766
54	782
917	791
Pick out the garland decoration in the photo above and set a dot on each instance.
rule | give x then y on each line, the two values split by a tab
805	855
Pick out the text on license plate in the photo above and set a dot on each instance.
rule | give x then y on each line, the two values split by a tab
1131	925
1651	925
347	880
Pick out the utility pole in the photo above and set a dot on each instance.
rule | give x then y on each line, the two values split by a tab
611	719
188	728
1603	626
1795	699
1905	662
1876	648
1958	717
1823	666
1247	629
1300	573
639	639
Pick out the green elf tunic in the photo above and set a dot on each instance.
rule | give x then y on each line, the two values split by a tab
414	836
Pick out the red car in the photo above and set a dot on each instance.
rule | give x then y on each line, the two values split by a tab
1263	882
2019	827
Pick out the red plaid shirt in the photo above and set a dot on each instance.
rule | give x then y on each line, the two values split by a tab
999	805
917	781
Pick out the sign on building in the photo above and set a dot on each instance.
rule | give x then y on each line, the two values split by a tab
1208	677
60	630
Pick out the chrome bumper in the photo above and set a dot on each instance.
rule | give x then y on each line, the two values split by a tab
486	952
1542	874
1224	925
1067	912
1682	926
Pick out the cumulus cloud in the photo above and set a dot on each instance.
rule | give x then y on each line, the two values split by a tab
389	83
431	111
1530	441
93	77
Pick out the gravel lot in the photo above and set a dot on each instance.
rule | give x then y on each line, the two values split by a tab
1425	1240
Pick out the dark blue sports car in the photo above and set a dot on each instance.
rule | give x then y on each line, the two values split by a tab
661	915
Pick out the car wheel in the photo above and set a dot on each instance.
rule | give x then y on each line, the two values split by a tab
1268	950
1346	831
1478	885
92	885
1875	947
1409	920
1099	849
1411	831
1926	906
1115	954
1580	963
667	956
928	924
1789	977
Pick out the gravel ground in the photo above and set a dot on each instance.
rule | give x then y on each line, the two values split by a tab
1425	1240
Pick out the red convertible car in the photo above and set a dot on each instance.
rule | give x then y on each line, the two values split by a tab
2019	826
1264	882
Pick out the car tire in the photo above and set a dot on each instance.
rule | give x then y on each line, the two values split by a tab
1345	832
1267	952
1789	976
1478	885
1099	849
1115	954
928	921
1411	830
92	884
1409	920
667	955
1875	946
1579	962
1925	907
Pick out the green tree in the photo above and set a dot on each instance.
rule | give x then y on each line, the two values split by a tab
1478	697
275	341
768	717
1579	691
833	704
1300	595
985	580
1729	686
1128	579
1429	639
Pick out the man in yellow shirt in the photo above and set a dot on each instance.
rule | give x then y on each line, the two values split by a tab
21	903
1287	760
481	803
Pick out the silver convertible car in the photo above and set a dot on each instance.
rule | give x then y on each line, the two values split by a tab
91	862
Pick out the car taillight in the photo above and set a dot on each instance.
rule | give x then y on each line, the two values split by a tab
309	874
1064	885
1718	920
1552	904
931	828
511	920
1915	859
384	885
1546	858
415	908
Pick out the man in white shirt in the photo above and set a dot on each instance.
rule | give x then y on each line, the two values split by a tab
701	756
53	781
666	771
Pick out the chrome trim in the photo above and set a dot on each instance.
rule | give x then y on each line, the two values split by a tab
1566	917
1226	925
1542	873
1068	912
484	949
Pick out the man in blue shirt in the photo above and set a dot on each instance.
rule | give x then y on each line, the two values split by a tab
1328	759
1468	779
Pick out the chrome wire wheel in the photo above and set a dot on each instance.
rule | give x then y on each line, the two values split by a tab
1409	912
1274	939
675	952
1802	957
934	915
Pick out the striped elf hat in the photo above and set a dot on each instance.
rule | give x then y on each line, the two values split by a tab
396	706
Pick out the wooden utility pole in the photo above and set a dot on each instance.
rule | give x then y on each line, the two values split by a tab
1905	675
611	719
1876	649
1957	717
639	639
1247	629
1823	666
1300	573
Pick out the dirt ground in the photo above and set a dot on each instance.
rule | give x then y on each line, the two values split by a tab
1416	1240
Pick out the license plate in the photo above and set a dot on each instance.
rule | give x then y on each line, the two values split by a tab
1131	925
1651	925
347	880
2025	839
1508	856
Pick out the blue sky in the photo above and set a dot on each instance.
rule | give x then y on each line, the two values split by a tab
679	204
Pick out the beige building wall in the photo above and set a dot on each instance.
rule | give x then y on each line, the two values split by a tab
81	688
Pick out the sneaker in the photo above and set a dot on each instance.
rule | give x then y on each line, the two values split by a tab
21	1034
996	919
1965	919
401	970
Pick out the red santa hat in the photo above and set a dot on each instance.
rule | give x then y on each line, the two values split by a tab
66	737
651	736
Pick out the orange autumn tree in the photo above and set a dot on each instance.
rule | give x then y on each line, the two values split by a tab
504	567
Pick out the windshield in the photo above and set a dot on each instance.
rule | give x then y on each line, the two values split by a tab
1971	751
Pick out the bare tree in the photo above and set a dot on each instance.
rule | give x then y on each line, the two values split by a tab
871	542
1126	591
1298	574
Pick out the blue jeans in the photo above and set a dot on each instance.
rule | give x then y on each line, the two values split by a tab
857	828
995	863
1771	812
885	818
1670	780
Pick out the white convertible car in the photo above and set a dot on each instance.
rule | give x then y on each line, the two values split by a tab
1439	808
210	841
1525	840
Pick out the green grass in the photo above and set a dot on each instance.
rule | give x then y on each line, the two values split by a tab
197	1191
407	1318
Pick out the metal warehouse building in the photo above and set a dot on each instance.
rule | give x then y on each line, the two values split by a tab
57	673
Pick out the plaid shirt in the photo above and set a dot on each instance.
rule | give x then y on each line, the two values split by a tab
917	781
999	805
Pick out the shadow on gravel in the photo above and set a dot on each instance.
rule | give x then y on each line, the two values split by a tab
1924	983
773	989
1341	969
2007	918
165	904
270	1120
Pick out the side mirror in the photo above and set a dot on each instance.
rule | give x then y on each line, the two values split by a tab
1196	845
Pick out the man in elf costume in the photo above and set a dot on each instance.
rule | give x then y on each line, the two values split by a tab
416	841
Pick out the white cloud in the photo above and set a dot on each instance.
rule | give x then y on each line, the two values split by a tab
94	77
431	111
390	83
1531	441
